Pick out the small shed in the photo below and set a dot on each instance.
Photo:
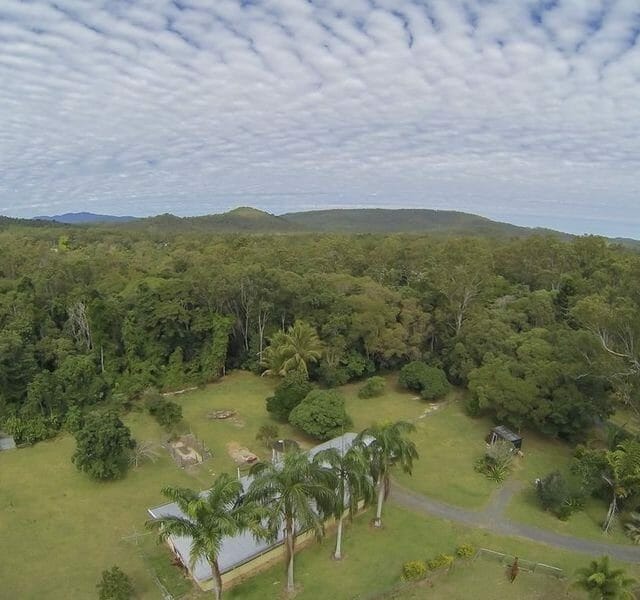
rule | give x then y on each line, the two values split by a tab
6	442
504	433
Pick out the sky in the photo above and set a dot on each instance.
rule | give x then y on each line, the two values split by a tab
520	110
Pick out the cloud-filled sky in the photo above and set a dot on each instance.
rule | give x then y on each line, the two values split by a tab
521	110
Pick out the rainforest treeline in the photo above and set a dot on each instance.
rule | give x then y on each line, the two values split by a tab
544	333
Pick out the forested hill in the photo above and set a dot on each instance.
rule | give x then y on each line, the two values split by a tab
364	220
404	220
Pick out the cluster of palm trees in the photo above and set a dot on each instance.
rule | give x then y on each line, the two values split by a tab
293	495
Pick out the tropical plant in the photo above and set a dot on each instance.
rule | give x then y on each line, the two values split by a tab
144	452
354	484
414	570
622	476
115	585
387	445
292	350
496	461
267	434
210	517
632	527
298	494
602	582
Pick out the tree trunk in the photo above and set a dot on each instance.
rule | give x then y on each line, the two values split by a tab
377	522
290	541
101	359
338	553
611	513
217	580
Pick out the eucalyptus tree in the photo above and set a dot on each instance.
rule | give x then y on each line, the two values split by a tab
209	518
298	494
355	485
386	445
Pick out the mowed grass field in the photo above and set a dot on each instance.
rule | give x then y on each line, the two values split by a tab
59	529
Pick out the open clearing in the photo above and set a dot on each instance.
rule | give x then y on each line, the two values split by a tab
60	529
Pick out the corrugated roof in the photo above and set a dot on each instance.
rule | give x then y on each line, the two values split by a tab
238	549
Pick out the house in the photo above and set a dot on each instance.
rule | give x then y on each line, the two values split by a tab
240	555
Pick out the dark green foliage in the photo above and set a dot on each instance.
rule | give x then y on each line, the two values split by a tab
374	386
103	446
495	464
115	585
166	412
321	414
290	392
560	495
430	382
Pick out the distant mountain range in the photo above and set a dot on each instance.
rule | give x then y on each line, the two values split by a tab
84	217
362	220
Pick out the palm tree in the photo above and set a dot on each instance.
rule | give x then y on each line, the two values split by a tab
294	349
602	582
354	484
209	518
386	445
298	494
632	527
622	475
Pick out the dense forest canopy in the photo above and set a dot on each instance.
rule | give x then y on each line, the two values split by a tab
545	333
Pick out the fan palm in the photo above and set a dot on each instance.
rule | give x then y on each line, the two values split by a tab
632	527
602	582
209	518
385	446
291	350
298	494
354	484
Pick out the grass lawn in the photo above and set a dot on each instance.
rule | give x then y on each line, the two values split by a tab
482	579
374	561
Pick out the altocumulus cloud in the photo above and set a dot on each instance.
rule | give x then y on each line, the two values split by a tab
527	110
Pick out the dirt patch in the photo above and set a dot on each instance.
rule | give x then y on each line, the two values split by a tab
241	455
220	415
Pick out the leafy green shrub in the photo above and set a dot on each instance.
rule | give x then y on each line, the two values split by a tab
414	570
293	388
321	414
115	585
374	386
29	430
166	412
431	382
103	446
559	495
465	550
441	561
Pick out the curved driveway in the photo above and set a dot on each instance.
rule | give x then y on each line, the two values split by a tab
493	518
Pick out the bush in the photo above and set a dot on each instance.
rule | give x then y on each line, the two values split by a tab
559	495
496	463
321	414
414	570
103	446
166	412
115	585
440	562
293	388
29	430
431	382
374	386
465	551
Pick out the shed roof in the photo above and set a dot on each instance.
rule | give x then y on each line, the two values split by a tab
506	434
